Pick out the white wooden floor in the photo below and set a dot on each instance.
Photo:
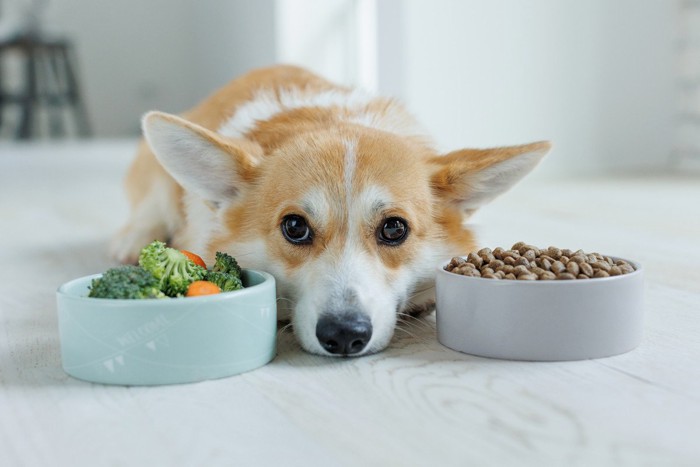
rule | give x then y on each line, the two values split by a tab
416	403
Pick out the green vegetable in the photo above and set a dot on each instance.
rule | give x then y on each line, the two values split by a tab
226	282
131	282
174	271
226	263
226	273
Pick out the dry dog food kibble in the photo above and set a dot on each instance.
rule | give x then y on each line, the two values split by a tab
529	263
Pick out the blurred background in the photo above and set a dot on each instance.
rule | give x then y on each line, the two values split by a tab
615	84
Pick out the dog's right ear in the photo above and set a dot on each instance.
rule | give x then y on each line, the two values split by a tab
215	168
470	178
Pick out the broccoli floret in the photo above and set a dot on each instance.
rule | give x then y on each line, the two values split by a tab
226	282
226	263
131	282
174	271
226	273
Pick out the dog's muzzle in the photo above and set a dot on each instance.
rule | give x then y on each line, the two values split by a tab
344	334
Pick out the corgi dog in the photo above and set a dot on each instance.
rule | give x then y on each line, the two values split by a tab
338	194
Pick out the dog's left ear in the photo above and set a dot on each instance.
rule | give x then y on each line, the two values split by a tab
200	160
470	178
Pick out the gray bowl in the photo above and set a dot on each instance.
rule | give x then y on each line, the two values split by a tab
166	341
540	320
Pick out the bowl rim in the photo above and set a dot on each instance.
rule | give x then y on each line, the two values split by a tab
638	270
154	302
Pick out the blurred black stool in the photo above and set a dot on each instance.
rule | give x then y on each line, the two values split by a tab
49	81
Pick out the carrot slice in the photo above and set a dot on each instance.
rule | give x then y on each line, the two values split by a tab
196	259
198	288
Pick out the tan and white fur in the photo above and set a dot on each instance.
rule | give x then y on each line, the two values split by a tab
282	143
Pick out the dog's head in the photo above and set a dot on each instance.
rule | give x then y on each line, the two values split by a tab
351	221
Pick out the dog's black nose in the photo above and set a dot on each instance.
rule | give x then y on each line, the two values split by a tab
345	334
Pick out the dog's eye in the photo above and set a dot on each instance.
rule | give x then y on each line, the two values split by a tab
393	231
296	230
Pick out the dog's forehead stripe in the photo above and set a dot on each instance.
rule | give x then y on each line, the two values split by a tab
349	170
347	207
362	203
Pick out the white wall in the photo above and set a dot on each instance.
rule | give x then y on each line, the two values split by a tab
230	38
138	55
687	148
596	77
133	56
319	35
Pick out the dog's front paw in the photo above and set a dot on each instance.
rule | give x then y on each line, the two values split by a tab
127	244
419	310
421	303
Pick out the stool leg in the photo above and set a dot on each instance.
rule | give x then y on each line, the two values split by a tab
2	92
25	129
75	96
55	89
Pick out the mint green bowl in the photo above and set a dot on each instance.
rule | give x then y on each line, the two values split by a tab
168	341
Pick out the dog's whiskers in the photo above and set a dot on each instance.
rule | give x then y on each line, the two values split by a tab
416	321
399	328
417	327
418	292
415	337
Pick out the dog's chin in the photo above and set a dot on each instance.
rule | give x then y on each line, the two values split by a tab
318	350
